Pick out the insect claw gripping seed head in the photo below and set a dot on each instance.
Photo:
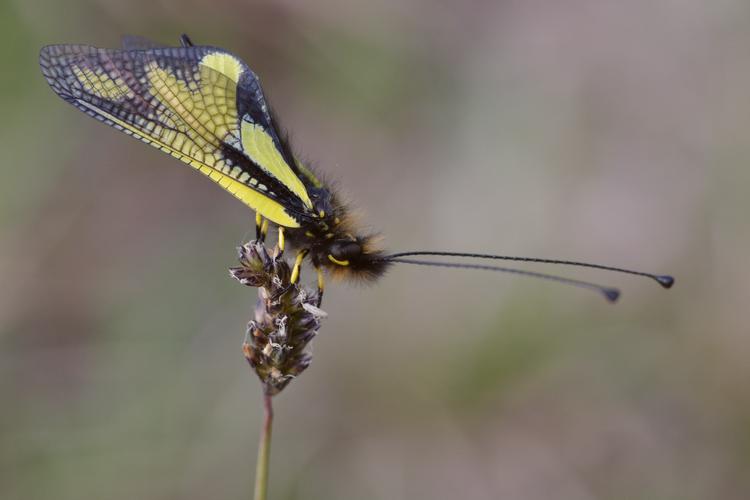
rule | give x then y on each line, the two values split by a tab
285	321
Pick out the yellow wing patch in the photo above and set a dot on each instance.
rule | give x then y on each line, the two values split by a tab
101	84
260	147
225	64
256	142
209	110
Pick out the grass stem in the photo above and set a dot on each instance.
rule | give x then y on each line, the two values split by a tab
264	450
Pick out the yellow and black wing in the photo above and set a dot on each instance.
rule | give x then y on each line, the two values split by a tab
201	105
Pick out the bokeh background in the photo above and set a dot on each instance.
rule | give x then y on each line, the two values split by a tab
608	131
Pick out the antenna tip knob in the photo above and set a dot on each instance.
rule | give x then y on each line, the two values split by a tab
665	280
612	294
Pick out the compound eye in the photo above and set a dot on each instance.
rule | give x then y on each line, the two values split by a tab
343	251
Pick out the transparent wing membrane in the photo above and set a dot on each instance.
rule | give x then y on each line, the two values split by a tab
184	101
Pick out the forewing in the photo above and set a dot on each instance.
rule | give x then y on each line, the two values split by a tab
187	102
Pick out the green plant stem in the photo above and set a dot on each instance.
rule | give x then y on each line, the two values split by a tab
264	451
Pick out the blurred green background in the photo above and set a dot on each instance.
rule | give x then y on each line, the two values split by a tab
614	132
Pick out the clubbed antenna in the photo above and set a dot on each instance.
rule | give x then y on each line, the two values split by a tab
609	293
664	280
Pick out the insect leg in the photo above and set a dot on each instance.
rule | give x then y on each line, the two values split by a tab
294	279
258	226
321	284
261	227
281	243
297	265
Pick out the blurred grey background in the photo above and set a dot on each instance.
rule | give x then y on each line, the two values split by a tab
614	132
